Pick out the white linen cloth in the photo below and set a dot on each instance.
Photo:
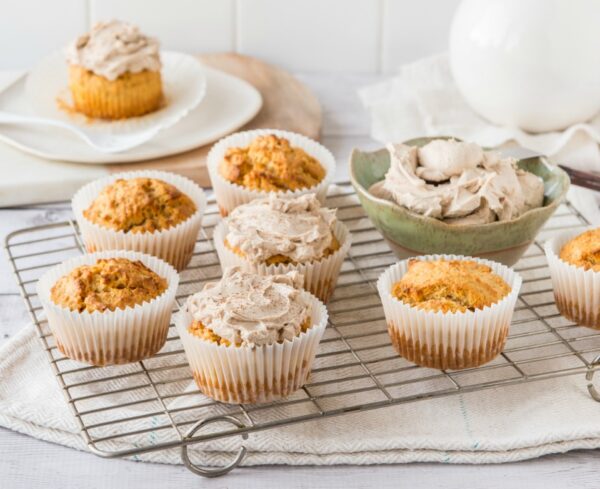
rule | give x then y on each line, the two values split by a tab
500	425
423	100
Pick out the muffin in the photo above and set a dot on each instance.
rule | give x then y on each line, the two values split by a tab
154	212
276	235
251	338
574	260
448	312
109	308
114	72
253	164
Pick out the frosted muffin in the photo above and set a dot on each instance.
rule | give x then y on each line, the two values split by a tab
154	212
109	308
277	235
448	312
250	338
574	260
253	164
114	72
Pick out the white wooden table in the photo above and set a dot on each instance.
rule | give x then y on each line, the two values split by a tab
27	463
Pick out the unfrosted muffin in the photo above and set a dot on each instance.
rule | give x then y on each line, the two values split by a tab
108	284
583	250
114	72
139	205
270	163
574	261
448	312
251	165
450	285
276	235
154	212
251	338
109	308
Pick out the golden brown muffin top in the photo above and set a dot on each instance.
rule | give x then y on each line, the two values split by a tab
271	164
583	250
139	205
108	284
450	285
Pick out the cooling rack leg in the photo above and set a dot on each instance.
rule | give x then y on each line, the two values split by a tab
590	376
213	471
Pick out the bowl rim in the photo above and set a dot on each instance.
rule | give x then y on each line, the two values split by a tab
360	189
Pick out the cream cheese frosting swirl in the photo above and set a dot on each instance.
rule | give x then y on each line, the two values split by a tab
459	183
113	48
298	228
252	310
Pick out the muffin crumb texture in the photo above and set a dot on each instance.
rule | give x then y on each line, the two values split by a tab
270	163
108	284
140	205
450	286
583	251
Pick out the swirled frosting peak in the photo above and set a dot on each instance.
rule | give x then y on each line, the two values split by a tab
298	228
459	183
113	48
252	310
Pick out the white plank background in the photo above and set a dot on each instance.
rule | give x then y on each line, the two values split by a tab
362	36
26	463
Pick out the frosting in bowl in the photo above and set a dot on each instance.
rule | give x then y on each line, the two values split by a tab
252	310
298	228
459	183
113	48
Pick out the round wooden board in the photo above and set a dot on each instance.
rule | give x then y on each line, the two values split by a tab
287	104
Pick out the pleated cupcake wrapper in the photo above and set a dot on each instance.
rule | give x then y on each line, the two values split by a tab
252	375
110	337
320	277
577	291
95	96
174	245
452	340
230	195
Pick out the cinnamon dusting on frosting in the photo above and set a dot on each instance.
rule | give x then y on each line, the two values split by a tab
249	310
113	48
299	229
458	182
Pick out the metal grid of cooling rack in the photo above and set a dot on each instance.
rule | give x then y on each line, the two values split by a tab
154	405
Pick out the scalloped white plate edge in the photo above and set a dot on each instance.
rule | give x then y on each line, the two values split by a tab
244	100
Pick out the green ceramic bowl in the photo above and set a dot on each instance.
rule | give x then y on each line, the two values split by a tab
411	234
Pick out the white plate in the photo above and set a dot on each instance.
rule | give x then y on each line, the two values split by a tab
184	86
228	104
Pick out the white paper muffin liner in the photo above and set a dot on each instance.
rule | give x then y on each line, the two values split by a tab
110	337
230	195
174	245
252	375
320	277
454	340
576	291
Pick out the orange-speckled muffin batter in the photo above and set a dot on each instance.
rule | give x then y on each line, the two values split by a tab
140	205
450	285
108	284
271	164
583	250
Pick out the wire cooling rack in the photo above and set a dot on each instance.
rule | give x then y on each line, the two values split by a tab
154	405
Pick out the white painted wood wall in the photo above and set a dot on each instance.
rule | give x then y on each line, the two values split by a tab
359	36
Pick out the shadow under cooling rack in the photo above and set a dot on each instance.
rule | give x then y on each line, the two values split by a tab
154	405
